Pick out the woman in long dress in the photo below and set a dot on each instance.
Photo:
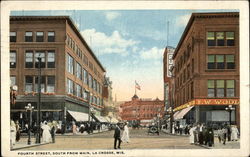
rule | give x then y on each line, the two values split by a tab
46	133
74	129
235	133
12	133
191	133
125	135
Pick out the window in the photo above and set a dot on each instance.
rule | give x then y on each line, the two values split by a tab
51	59
42	83
90	65
51	84
12	59
210	39
230	61
220	62
220	38
78	71
12	80
90	81
12	36
220	88
70	88
230	88
40	54
211	62
73	45
39	36
94	84
85	95
70	64
28	83
28	37
85	76
51	36
78	90
211	88
29	59
230	38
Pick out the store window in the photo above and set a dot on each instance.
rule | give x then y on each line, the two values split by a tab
230	88
51	36
29	59
230	38
28	37
51	59
70	64
39	36
12	36
42	83
13	58
28	84
50	84
70	86
40	54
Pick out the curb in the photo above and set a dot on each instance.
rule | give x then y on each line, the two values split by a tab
28	146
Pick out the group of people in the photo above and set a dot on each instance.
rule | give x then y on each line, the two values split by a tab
121	134
15	132
228	132
201	134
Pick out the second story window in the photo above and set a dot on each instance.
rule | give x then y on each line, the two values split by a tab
51	59
29	59
12	36
40	54
51	84
12	59
70	87
90	81
28	37
51	36
78	90
42	83
85	76
39	36
220	62
78	71
28	83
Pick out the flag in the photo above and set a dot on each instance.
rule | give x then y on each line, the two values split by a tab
137	86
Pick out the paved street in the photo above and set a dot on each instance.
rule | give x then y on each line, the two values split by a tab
139	140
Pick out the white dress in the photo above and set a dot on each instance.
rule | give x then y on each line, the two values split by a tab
234	134
191	137
125	135
12	135
46	134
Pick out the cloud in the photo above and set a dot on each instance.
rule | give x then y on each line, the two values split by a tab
183	20
104	44
153	53
112	15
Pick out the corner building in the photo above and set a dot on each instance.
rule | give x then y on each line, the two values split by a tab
71	75
206	69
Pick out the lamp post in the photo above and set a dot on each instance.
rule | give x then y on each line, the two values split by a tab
38	137
29	108
89	103
230	108
170	111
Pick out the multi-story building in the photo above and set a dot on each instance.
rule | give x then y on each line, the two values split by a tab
71	75
142	111
206	71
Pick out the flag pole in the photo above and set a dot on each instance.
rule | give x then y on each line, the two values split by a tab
135	87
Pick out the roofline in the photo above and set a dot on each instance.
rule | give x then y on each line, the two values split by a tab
202	15
71	23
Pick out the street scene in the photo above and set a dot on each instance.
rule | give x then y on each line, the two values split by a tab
112	80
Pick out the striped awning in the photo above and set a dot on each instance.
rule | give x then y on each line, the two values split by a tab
183	112
79	116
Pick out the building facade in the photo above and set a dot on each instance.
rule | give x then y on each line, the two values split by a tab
71	75
142	111
206	71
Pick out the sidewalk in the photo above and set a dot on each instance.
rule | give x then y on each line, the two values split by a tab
81	134
228	145
23	143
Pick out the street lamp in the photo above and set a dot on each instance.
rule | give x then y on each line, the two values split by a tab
230	108
170	111
29	108
89	103
38	137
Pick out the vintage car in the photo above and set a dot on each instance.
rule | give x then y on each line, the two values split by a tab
153	129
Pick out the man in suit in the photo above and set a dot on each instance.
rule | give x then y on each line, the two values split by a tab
117	136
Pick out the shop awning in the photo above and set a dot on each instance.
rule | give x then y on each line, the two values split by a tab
101	119
79	116
183	112
176	114
114	120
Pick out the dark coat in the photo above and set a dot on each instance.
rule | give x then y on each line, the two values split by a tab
117	133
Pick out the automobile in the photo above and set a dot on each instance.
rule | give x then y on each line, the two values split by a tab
153	129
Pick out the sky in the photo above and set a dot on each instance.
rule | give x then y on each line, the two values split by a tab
129	44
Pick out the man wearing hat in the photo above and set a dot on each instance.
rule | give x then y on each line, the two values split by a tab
117	136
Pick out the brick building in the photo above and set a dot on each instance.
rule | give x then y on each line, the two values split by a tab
143	111
71	73
206	71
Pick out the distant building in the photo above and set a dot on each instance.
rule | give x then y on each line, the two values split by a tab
141	111
72	76
206	69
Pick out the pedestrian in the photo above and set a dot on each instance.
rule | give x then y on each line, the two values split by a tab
224	132
53	131
125	135
117	136
46	137
82	128
74	128
180	129
210	136
220	134
201	138
12	133
192	134
18	132
229	132
235	133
